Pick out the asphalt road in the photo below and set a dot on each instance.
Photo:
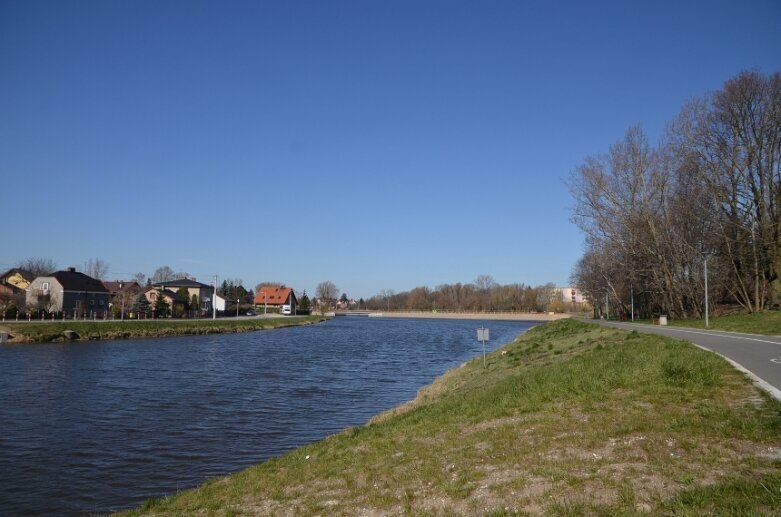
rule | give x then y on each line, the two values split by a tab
758	355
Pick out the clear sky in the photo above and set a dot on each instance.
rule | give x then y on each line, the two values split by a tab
379	145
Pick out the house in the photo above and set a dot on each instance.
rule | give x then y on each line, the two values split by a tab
122	287
10	297
176	303
16	277
13	286
70	292
572	295
221	303
204	292
123	295
275	296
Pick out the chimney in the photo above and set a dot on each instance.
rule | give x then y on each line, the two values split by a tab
71	270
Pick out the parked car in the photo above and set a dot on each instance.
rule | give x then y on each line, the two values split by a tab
251	313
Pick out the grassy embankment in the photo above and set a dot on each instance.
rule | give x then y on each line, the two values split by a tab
569	419
767	323
43	332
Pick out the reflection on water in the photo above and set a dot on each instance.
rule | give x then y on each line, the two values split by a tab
96	427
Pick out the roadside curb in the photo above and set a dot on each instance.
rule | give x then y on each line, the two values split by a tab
758	381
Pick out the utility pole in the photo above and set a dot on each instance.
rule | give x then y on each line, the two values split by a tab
214	295
632	294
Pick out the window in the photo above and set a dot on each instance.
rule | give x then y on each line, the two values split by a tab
92	302
44	286
101	303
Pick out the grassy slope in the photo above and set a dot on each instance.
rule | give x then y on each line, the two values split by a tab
570	419
768	323
48	332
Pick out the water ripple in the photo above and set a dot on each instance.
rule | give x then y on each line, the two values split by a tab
99	427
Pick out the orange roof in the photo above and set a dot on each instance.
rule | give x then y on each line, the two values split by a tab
273	294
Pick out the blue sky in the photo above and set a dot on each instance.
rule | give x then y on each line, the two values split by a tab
379	145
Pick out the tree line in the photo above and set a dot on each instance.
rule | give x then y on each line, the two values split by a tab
484	295
707	195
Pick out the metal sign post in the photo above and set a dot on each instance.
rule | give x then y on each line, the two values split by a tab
483	334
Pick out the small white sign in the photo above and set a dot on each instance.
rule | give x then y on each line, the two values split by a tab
483	334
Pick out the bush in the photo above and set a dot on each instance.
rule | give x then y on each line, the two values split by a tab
11	311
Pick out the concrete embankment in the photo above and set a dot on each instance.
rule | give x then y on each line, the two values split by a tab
507	316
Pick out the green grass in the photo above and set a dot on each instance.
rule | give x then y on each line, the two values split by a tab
767	323
570	419
43	332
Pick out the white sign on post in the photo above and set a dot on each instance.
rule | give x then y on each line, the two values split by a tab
483	335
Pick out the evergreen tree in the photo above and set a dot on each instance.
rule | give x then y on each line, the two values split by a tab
161	306
304	303
194	305
141	304
184	294
224	290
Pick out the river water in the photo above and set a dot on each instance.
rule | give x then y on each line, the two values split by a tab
102	426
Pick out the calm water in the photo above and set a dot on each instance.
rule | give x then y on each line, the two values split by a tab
96	427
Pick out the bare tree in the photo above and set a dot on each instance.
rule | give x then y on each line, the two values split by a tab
733	139
485	285
485	282
710	188
466	297
96	268
261	285
139	278
38	266
123	301
387	295
419	299
327	293
163	274
5	300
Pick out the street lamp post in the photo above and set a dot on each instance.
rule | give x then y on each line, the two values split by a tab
706	290
632	295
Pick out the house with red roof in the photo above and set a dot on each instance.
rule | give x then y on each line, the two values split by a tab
277	297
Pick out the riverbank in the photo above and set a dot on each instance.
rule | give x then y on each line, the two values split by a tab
65	331
570	418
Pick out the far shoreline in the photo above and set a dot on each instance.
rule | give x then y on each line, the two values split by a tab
492	316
